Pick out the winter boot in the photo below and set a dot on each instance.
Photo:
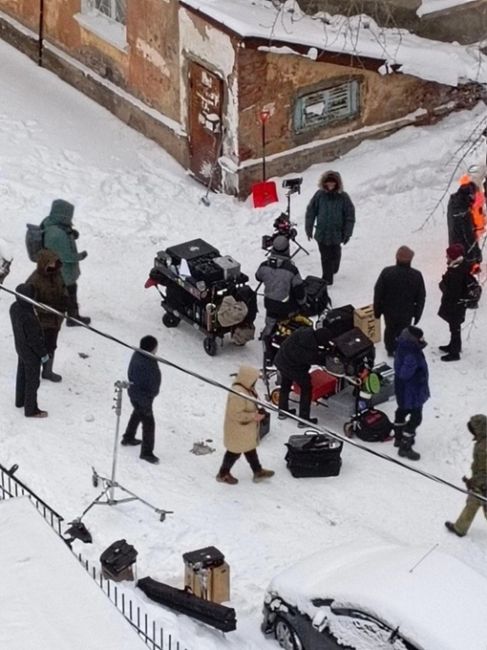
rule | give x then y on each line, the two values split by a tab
398	431
150	458
86	320
262	474
130	442
451	527
450	357
282	415
37	414
226	478
444	348
47	372
406	447
303	425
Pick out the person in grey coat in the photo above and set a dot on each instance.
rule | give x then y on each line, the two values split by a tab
332	212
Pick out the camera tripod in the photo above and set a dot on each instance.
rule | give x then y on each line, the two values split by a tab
110	484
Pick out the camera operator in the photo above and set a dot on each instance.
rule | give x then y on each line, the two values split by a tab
304	348
334	213
284	289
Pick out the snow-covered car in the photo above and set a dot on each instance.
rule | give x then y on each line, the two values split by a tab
382	598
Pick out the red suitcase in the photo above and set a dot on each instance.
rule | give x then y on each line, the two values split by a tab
322	385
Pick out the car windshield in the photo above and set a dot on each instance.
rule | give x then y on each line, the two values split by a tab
355	629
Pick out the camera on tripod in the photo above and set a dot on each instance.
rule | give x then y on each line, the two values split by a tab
282	226
293	185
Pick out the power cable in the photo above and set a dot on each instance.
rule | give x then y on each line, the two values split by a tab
258	402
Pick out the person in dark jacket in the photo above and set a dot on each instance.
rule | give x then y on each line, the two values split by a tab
50	290
31	351
334	214
411	388
144	376
453	287
399	295
477	425
60	237
461	227
284	289
303	349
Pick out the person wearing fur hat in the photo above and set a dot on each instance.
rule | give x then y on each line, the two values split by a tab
331	214
411	387
241	428
477	425
303	349
284	289
399	296
453	286
144	376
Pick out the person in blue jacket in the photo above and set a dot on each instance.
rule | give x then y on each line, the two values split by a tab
411	387
144	376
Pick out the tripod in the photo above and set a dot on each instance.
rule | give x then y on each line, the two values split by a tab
110	484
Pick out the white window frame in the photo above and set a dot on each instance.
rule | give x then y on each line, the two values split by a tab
113	9
99	23
337	103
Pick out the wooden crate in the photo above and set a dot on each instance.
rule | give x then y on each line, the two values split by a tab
364	319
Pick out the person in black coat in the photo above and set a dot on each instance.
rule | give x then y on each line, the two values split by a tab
461	229
303	349
453	287
31	351
399	296
145	381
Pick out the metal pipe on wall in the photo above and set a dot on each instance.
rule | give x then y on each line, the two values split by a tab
40	50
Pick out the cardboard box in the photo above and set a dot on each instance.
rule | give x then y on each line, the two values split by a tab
364	319
210	583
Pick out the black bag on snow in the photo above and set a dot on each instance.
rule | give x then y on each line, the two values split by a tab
339	320
218	616
265	424
34	241
313	455
373	426
316	295
473	293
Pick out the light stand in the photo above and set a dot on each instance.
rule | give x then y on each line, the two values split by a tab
110	484
289	193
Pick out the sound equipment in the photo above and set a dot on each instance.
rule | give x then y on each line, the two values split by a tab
191	250
339	320
207	575
313	455
117	561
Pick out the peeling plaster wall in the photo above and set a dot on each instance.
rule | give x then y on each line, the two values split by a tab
216	51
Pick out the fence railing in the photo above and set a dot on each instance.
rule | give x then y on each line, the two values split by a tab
154	636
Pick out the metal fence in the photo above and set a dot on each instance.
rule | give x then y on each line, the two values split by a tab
154	636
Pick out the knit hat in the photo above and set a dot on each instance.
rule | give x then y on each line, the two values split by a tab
148	343
404	255
417	332
280	244
455	251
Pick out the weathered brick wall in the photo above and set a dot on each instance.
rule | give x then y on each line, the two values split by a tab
25	11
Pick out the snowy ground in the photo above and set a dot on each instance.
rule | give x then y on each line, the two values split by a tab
131	200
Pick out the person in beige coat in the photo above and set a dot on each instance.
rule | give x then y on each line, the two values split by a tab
241	428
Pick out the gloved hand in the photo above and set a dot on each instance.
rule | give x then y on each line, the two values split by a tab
310	237
346	240
83	255
416	320
74	233
467	481
45	359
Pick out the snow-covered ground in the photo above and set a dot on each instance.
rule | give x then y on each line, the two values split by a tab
132	200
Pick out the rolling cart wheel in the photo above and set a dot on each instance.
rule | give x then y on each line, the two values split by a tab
170	320
348	429
210	346
275	396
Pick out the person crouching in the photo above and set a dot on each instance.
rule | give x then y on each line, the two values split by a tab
241	428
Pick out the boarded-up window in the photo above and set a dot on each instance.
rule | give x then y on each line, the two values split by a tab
326	106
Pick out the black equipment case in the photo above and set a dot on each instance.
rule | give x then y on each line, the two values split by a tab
313	455
316	295
339	320
373	425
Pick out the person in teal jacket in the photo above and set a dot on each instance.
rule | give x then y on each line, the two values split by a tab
334	214
60	237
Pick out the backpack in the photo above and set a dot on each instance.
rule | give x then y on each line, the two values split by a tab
473	292
373	426
34	241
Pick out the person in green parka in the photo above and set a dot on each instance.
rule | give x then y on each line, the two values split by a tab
60	237
334	213
477	483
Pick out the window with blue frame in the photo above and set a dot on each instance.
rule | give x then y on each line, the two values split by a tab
322	107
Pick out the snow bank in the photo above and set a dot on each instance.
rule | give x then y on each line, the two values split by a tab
48	599
447	63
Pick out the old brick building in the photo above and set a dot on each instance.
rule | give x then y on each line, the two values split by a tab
194	75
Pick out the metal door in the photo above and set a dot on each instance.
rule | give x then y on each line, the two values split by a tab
204	124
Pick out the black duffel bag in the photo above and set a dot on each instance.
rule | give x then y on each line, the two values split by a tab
373	425
313	455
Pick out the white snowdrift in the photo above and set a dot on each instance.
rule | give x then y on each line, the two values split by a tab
49	602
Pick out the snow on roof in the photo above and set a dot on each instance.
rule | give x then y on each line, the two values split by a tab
447	63
429	6
48	601
438	603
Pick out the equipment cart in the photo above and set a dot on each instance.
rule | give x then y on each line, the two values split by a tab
206	290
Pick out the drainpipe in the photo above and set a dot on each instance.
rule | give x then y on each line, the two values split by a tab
41	33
